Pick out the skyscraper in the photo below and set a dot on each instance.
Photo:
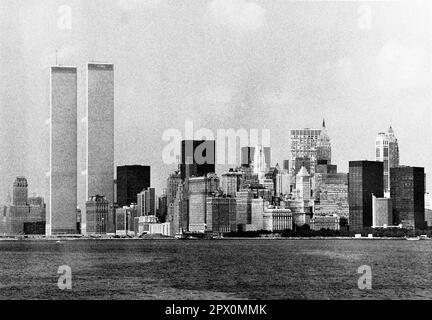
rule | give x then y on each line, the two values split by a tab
146	201
131	180
304	146
387	151
407	192
323	146
364	180
100	131
248	156
20	192
199	156
61	214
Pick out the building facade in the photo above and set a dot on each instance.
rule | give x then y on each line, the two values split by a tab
131	180
62	204
97	210
407	192
387	151
365	178
100	132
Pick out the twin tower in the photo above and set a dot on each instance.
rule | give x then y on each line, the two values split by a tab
99	172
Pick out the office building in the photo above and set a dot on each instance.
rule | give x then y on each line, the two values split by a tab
276	219
221	214
100	132
62	204
387	151
303	149
323	147
199	156
365	179
248	156
230	182
97	210
131	180
20	192
382	212
331	194
407	192
146	202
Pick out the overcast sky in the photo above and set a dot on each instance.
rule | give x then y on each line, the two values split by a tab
222	64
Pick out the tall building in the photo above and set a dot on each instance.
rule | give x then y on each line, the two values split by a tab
197	204
162	210
387	151
323	147
304	146
260	163
407	192
248	156
221	214
199	156
61	215
303	184
20	192
230	182
364	180
131	180
146	201
97	209
100	131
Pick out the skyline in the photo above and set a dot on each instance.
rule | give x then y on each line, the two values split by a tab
252	77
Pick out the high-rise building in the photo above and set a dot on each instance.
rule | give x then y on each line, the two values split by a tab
131	180
364	180
248	156
303	184
100	131
407	192
260	163
323	147
162	210
221	214
146	201
20	192
61	215
197	204
230	182
387	151
304	146
199	156
97	209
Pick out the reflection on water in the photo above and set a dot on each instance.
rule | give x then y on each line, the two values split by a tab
225	269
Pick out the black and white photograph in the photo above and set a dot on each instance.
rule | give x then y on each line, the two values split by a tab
180	151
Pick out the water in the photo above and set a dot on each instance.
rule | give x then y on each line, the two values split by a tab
219	269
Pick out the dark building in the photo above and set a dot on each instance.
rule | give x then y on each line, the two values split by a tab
365	178
131	180
407	191
199	156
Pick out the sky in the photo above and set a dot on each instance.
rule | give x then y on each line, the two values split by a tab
253	64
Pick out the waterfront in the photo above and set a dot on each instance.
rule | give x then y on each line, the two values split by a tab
216	269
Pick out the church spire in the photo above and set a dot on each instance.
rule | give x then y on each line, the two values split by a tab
323	123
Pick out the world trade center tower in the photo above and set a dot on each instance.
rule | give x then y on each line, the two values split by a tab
61	213
100	131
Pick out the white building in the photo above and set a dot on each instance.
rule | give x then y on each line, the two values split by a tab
387	151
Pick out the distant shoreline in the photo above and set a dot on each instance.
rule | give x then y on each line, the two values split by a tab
61	239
